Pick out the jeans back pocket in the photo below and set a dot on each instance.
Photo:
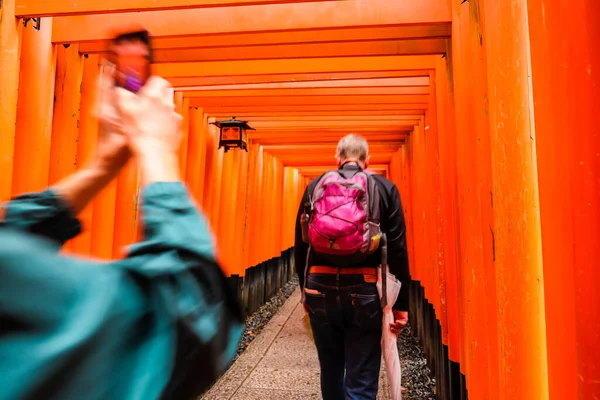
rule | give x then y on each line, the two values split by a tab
315	305
367	310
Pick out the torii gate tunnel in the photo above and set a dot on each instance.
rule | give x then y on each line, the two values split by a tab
482	112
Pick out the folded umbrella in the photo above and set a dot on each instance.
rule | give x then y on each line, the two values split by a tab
388	288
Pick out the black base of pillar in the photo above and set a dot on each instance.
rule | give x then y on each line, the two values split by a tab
451	384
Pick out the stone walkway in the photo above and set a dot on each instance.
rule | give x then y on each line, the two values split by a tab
280	364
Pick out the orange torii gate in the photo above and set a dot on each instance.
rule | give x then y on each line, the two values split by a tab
480	111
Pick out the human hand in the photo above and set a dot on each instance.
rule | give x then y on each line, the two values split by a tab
153	128
112	150
303	300
400	320
149	118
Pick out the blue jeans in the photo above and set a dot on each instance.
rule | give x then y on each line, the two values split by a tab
345	318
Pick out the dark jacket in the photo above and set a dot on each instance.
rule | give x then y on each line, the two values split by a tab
392	224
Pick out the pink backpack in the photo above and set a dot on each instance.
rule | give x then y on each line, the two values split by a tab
343	218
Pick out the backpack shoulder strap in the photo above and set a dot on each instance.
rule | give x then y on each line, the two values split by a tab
374	197
317	191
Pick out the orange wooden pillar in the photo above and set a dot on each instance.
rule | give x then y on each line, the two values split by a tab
289	207
34	110
103	223
226	210
517	232
183	107
216	178
252	206
294	203
213	176
437	236
564	68
475	217
420	269
396	169
196	154
103	217
239	202
270	210
279	207
438	224
10	49
447	154
65	121
406	199
126	203
86	142
275	209
264	199
248	210
255	209
211	153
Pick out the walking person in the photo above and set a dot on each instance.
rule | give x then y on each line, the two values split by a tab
342	219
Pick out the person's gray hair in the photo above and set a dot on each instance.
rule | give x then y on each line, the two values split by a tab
353	146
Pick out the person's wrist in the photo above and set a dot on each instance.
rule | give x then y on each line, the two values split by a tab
151	146
107	168
158	164
100	169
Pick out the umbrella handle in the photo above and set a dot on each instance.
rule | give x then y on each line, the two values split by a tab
384	271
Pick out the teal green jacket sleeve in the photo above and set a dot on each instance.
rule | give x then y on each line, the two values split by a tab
42	214
159	324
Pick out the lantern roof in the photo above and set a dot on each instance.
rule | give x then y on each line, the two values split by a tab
233	122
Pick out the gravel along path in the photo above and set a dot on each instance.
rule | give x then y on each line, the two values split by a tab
416	375
257	321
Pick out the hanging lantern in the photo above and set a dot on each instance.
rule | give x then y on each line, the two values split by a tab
233	134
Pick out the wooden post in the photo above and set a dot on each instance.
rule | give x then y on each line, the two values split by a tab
447	150
196	151
125	223
476	270
86	142
34	110
10	49
566	87
65	121
517	232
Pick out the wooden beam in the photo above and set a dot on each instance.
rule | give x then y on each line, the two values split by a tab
296	66
356	109
319	50
323	138
342	118
277	17
354	83
315	168
309	159
305	36
363	91
331	134
319	169
208	102
58	8
291	78
267	113
300	149
313	172
317	125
